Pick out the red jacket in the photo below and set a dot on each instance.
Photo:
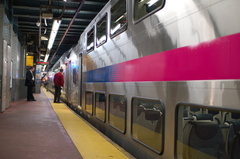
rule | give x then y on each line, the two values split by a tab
58	79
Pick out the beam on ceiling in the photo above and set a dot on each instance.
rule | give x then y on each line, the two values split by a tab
26	16
63	18
73	19
63	26
28	26
54	7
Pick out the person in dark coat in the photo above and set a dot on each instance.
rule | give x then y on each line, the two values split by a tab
58	84
29	82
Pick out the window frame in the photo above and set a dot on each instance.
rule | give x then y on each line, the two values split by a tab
105	106
125	117
87	39
179	131
121	29
106	30
146	15
89	91
163	124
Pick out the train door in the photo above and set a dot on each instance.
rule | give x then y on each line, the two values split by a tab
5	77
73	80
68	79
64	66
80	79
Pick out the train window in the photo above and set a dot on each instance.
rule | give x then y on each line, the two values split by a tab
100	104
144	8
102	31
90	40
204	132
74	75
117	112
118	18
89	102
148	123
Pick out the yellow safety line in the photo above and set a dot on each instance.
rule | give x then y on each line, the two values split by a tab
89	142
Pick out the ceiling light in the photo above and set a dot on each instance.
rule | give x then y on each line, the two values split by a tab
43	49
44	67
45	31
47	15
38	23
44	38
46	57
55	27
45	21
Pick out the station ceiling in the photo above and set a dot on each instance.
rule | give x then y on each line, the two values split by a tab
33	19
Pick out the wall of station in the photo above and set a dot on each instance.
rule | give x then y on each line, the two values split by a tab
12	63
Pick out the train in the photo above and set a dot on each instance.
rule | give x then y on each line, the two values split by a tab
160	77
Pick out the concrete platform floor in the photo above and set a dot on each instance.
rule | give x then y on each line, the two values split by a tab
32	130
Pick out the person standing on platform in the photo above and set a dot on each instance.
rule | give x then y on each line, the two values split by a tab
58	84
30	83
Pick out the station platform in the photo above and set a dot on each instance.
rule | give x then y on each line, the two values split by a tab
45	130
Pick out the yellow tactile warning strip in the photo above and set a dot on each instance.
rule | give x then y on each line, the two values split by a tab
89	141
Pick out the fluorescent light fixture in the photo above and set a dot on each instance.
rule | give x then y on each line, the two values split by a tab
44	67
45	21
44	38
46	57
55	27
38	24
45	31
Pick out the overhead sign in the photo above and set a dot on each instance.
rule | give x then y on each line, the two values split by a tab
42	63
29	60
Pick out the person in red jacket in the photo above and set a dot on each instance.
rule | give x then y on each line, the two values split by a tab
58	84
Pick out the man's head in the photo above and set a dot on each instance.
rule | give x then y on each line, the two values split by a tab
61	70
32	68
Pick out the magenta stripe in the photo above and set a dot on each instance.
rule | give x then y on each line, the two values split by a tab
213	60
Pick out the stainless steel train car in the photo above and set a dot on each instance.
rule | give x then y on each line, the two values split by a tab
161	77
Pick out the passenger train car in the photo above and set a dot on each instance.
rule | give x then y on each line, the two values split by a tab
160	77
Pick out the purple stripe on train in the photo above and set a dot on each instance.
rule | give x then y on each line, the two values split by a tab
218	59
